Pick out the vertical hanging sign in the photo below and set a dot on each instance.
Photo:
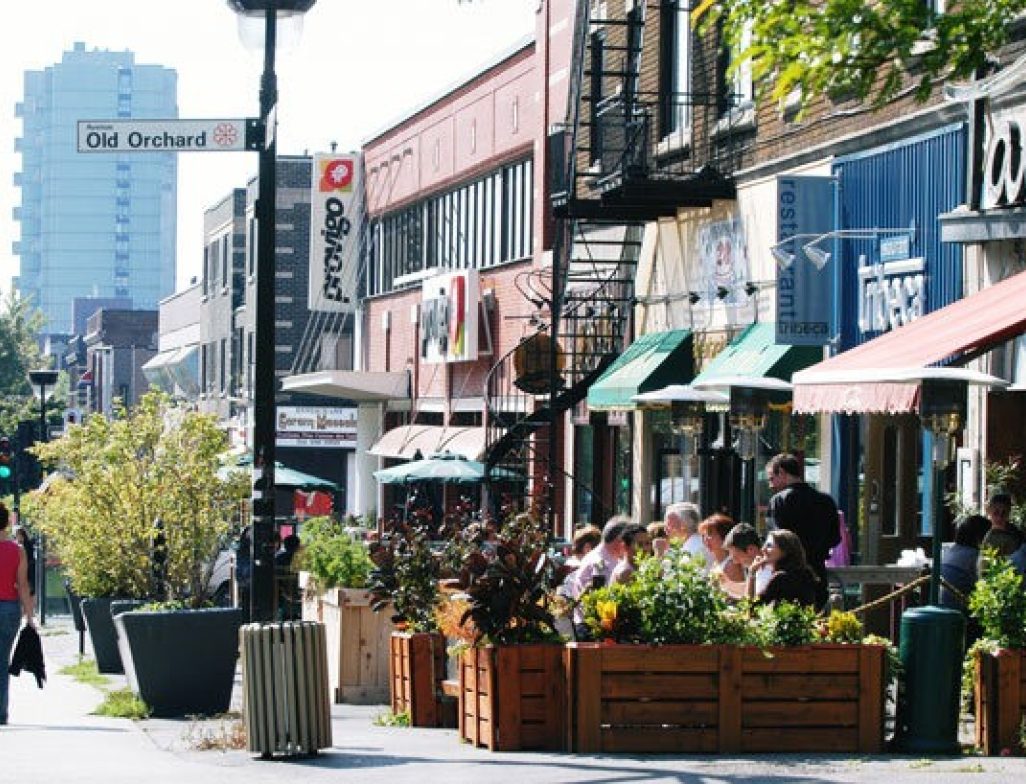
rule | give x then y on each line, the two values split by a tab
805	291
336	215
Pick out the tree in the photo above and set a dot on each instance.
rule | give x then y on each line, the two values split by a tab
144	505
20	324
871	50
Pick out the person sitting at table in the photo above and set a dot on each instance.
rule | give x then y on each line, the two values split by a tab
636	546
958	562
744	546
714	530
792	580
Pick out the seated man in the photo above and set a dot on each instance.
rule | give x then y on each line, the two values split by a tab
597	566
744	545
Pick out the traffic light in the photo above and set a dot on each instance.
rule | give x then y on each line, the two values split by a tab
6	466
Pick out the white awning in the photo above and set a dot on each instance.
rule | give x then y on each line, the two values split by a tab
161	360
358	385
405	441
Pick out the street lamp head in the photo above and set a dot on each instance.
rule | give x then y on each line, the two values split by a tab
783	257
260	7
41	379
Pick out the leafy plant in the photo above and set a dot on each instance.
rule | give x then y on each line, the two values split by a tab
390	719
510	603
843	627
333	557
998	602
788	624
84	671
678	602
451	618
405	576
122	704
143	508
613	613
984	647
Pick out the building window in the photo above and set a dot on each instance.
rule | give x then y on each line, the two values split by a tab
597	67
738	85
251	245
225	259
223	365
675	67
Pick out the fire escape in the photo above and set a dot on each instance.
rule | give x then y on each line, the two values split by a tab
612	171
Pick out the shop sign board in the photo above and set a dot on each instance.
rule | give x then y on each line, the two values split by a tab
450	304
805	292
892	291
312	426
336	210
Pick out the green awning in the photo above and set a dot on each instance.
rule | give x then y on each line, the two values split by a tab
651	362
754	353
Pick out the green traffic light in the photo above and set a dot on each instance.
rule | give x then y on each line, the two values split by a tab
5	472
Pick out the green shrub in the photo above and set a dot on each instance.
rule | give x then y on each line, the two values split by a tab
332	557
787	624
998	602
612	613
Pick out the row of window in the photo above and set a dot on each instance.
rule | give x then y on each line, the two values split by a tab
478	225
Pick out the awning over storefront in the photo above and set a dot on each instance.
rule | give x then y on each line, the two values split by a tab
651	362
405	441
968	326
755	354
357	385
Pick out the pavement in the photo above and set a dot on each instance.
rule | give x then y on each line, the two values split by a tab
54	737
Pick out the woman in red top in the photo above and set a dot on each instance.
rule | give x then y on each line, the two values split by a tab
15	601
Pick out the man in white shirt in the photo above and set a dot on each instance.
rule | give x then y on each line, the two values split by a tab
744	545
597	566
682	521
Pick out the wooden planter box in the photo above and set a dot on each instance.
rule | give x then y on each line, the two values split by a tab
1000	698
513	698
416	672
714	699
358	644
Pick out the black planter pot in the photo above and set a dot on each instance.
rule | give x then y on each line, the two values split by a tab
181	662
97	613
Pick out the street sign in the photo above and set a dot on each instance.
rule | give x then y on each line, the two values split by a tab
161	135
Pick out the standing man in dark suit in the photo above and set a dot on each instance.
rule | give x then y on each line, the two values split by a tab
801	508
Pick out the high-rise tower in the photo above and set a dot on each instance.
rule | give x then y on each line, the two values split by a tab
94	225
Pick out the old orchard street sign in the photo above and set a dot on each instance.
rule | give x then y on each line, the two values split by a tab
164	135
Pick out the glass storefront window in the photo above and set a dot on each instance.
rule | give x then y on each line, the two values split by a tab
584	469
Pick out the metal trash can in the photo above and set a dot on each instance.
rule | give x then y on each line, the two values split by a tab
932	641
286	701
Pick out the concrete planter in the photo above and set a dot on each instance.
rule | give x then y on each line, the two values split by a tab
104	637
181	662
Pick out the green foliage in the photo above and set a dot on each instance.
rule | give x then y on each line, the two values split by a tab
511	602
982	647
389	719
613	613
405	576
678	602
84	671
333	558
144	483
844	627
998	602
122	704
787	624
19	353
868	51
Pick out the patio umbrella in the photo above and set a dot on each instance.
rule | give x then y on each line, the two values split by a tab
284	476
444	467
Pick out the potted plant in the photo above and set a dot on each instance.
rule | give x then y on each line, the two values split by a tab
677	669
155	471
334	571
997	661
404	585
512	684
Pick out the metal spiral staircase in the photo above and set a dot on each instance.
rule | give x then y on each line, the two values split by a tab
605	185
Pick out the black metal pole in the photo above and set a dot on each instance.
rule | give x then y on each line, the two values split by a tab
44	436
265	379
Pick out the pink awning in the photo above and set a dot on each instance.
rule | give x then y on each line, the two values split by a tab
843	384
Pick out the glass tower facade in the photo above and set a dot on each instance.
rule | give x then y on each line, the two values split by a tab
94	225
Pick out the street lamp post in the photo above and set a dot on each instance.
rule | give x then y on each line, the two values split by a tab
265	379
41	379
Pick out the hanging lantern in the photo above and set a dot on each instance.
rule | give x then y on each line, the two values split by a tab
532	360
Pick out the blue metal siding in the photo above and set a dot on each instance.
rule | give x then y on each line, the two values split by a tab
896	186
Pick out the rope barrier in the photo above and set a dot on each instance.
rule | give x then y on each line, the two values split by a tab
889	598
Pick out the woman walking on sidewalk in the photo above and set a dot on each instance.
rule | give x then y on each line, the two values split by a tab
15	601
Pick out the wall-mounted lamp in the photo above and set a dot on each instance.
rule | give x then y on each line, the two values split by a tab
694	297
751	289
722	292
784	254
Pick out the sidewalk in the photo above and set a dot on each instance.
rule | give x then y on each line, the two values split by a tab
53	738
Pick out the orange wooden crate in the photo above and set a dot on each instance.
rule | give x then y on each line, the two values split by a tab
1000	697
513	697
715	699
416	672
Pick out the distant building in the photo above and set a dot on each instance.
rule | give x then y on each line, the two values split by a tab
118	344
93	225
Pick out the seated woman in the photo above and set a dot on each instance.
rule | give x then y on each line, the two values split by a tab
792	580
714	530
637	545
